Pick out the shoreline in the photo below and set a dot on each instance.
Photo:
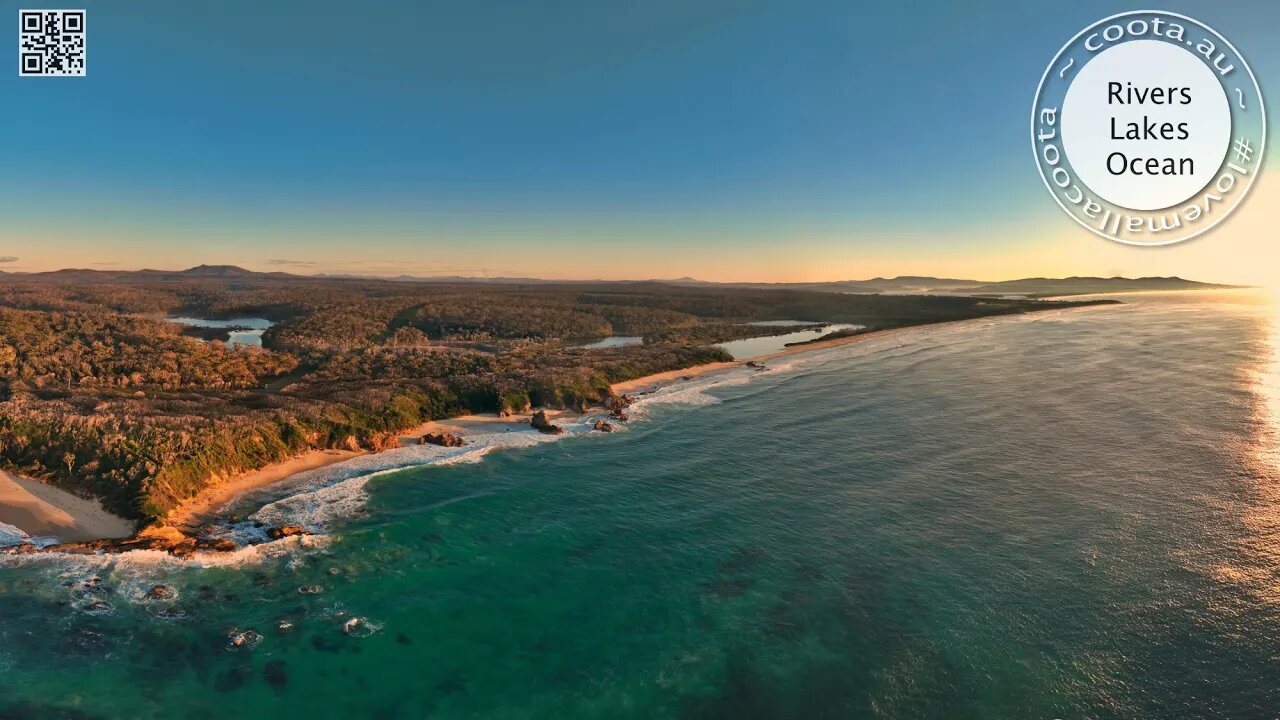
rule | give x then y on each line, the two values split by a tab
210	503
41	509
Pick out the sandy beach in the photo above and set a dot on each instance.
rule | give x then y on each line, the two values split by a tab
39	509
203	507
43	510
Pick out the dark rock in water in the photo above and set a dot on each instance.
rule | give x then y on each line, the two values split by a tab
729	588
619	413
215	544
618	402
99	607
183	550
311	589
358	627
90	640
442	439
161	592
602	426
171	613
276	675
542	424
754	364
325	645
246	640
232	679
403	639
285	531
159	538
741	560
163	539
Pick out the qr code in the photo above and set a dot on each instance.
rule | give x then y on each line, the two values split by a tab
51	42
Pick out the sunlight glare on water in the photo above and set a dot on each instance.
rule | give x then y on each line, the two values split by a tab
1073	514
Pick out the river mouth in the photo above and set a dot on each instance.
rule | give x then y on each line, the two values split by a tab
769	344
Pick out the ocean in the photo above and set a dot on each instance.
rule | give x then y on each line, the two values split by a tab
1062	515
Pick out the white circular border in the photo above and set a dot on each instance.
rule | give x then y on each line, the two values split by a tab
1035	105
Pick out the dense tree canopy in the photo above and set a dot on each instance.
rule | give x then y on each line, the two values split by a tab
103	396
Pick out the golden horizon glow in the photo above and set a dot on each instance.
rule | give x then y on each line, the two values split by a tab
1240	251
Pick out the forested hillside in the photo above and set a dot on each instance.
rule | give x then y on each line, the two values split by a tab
103	396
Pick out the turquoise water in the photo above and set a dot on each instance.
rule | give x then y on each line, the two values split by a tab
1072	515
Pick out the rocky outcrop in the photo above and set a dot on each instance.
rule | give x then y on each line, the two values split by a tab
602	426
442	439
616	402
383	441
216	545
513	406
160	592
619	414
161	539
284	531
542	424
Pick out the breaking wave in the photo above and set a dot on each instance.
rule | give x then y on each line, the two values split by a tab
320	500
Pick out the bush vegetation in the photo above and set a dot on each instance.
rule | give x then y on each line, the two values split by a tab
99	394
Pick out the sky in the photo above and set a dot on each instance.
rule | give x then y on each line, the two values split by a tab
725	140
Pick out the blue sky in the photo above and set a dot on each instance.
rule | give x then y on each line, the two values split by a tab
726	140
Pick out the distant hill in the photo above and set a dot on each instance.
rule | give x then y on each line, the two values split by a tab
1090	285
218	271
915	284
904	284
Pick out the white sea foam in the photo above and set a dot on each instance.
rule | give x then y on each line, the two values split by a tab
10	535
320	499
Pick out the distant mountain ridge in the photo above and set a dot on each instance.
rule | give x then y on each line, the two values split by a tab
903	284
1075	285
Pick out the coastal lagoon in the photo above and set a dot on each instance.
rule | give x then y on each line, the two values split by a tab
1066	514
754	347
614	341
248	330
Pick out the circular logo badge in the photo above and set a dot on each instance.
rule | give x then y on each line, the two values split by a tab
1148	128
